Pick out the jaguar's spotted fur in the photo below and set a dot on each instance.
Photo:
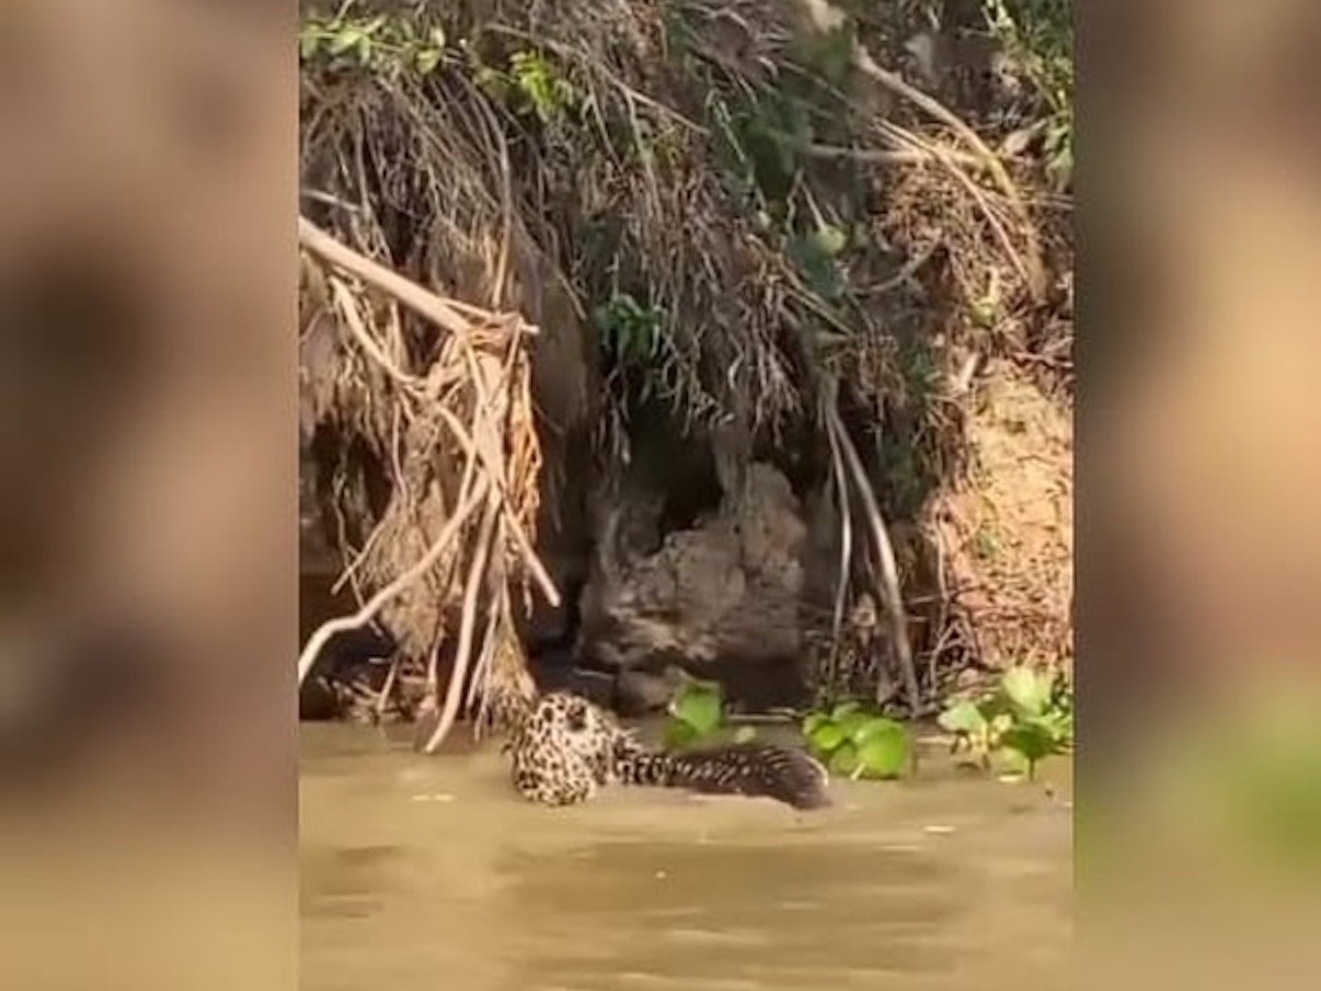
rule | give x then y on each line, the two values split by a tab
564	749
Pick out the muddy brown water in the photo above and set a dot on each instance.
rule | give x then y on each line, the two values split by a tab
429	873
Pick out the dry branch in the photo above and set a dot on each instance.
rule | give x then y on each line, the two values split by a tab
476	578
317	641
891	593
477	370
422	301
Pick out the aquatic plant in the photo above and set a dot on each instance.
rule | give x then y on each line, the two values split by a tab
697	716
1025	718
859	744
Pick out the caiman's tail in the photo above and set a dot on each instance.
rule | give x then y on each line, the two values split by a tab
752	769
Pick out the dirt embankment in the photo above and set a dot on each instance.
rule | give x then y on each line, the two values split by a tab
729	227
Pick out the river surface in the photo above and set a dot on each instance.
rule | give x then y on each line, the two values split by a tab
429	873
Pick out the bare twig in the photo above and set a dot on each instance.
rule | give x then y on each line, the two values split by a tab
317	641
348	308
891	156
463	651
908	270
845	548
383	698
534	563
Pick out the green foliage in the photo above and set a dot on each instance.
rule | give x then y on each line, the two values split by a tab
697	717
392	45
814	255
760	142
829	53
859	744
540	84
381	44
529	83
1038	37
1027	717
629	332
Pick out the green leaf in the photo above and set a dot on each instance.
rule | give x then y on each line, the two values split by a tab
844	760
830	240
814	721
962	717
309	43
1059	725
347	38
1031	739
679	735
874	726
699	707
624	332
745	734
1027	689
1000	724
438	38
828	738
854	723
817	268
427	60
886	754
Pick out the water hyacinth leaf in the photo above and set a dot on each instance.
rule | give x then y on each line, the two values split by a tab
814	721
874	726
887	752
1059	726
962	717
679	734
1031	739
1027	689
828	737
844	760
699	707
853	723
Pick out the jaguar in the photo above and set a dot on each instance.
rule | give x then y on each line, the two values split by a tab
564	749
